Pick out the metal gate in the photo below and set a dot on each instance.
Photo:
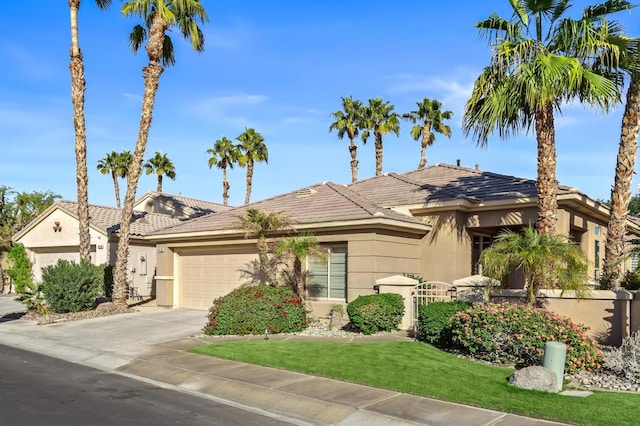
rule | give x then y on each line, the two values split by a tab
429	292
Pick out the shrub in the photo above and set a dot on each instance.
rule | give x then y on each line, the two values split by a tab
625	360
512	333
251	310
376	312
20	271
33	298
631	280
72	287
434	320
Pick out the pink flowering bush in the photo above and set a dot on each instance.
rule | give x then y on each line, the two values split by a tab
251	310
512	333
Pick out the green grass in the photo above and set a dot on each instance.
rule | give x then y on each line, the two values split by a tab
420	369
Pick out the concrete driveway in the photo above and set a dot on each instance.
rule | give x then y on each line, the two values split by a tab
106	342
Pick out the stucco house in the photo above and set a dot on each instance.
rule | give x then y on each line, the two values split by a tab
433	222
53	234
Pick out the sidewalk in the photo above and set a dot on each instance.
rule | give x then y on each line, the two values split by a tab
151	346
310	399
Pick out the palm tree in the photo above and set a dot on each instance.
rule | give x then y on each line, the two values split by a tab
161	165
348	122
546	261
116	164
224	154
300	247
431	116
259	224
533	70
625	166
159	16
78	85
252	149
379	117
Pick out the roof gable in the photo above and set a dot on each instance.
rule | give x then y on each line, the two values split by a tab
318	204
176	205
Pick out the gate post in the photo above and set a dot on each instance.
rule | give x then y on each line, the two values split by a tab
399	284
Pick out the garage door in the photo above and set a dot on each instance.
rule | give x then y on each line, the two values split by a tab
206	276
48	258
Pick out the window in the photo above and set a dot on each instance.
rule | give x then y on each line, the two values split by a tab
596	259
328	277
480	244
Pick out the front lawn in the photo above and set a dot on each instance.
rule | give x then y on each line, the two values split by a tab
420	369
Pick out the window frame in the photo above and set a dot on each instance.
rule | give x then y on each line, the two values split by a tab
327	265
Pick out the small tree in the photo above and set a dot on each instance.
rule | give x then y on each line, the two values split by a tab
299	248
258	224
546	261
20	271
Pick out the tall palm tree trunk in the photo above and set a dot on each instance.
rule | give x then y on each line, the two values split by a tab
78	85
378	141
547	185
152	73
621	191
116	188
353	149
249	180
159	183
225	187
426	135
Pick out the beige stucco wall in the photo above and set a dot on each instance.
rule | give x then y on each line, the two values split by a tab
607	313
446	250
45	245
142	273
370	255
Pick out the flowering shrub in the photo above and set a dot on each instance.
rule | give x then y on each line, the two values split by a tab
376	312
434	320
512	333
251	310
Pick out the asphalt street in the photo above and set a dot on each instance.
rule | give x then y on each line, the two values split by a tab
39	390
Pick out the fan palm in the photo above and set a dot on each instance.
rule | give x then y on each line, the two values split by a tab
299	248
161	165
379	117
546	261
431	118
116	164
259	224
224	154
540	60
252	149
159	16
348	122
625	166
78	85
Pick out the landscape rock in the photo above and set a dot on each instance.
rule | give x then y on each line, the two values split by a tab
535	378
106	307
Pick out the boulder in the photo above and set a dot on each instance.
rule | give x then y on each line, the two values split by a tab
535	378
106	307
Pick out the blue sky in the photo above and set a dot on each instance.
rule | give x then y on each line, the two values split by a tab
280	67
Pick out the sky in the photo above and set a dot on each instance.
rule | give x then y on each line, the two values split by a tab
280	67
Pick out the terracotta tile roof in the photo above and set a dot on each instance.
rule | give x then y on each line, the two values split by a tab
191	206
108	218
443	182
321	203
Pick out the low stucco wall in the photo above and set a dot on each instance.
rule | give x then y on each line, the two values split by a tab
608	314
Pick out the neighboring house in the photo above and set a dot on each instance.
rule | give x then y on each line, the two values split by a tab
433	222
53	235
